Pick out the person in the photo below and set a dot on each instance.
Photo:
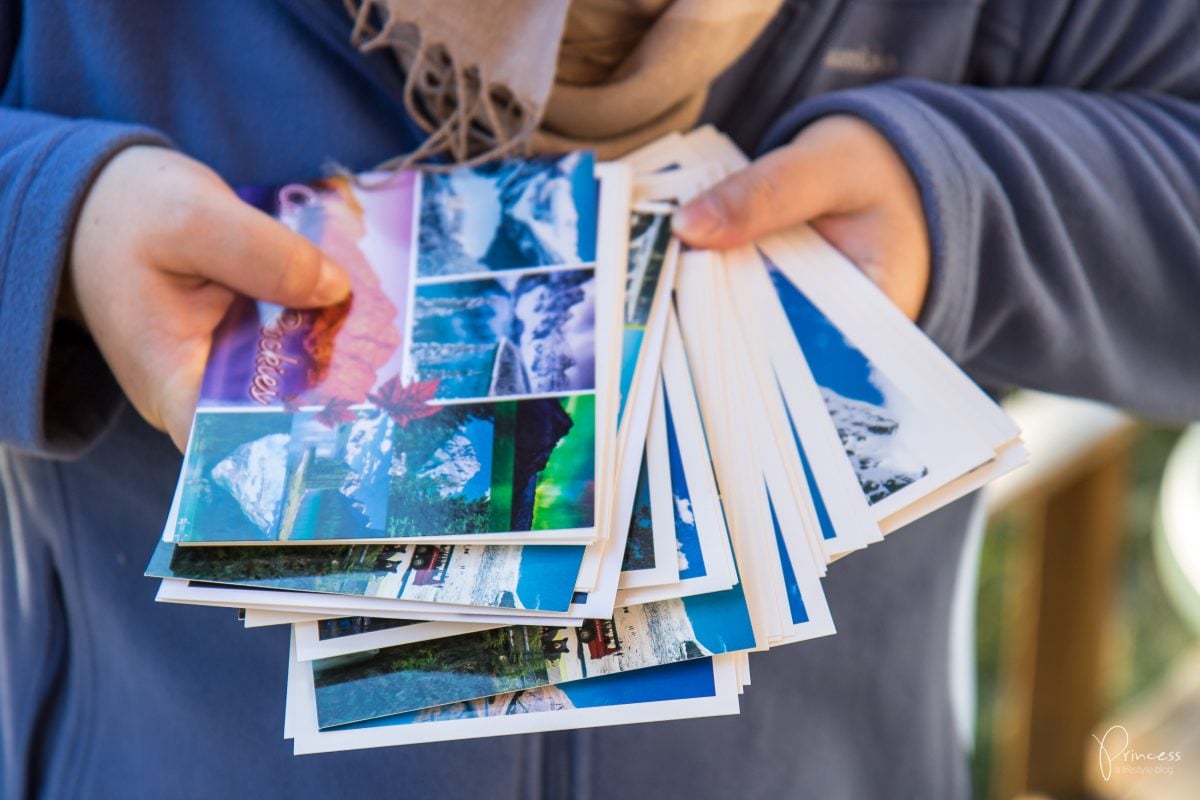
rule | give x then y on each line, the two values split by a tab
1023	178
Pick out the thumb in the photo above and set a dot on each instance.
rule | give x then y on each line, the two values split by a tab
178	394
787	186
241	248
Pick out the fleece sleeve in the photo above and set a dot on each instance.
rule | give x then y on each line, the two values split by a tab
56	393
1065	218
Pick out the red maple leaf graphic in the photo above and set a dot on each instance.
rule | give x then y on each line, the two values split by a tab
335	412
406	403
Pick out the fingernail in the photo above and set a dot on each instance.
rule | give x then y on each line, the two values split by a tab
333	284
699	219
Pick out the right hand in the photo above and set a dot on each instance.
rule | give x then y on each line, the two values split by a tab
845	178
161	248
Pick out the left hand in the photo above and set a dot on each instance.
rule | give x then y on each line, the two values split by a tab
845	179
161	248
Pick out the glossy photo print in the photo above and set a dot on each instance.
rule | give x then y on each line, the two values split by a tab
510	214
700	687
649	237
374	433
511	335
639	545
341	636
267	356
539	577
405	470
865	406
415	676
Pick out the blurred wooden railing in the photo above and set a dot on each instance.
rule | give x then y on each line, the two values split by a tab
1069	500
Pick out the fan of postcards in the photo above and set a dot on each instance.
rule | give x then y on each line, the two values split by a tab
548	469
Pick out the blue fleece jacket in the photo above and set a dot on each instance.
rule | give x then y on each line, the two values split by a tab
1056	145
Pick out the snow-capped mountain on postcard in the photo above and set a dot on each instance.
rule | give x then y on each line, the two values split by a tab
510	214
870	413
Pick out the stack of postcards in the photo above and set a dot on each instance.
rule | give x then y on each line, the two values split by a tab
547	468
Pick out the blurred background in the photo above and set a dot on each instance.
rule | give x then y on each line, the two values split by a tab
1088	617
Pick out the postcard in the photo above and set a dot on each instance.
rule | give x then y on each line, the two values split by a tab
702	550
460	395
897	449
508	214
261	618
699	338
649	246
690	557
498	576
652	258
174	590
697	496
701	687
461	668
724	384
789	559
582	604
504	336
639	546
650	556
879	330
856	305
766	422
701	544
339	636
659	155
458	471
865	406
341	627
769	344
808	610
679	455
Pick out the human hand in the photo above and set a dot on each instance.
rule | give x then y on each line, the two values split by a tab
845	179
161	248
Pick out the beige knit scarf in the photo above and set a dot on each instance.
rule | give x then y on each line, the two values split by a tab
487	78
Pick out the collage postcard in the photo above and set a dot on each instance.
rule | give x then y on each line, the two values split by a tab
548	468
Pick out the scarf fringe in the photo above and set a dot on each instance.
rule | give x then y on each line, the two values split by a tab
464	115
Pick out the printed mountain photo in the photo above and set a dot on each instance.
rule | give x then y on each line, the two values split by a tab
649	235
866	408
463	668
526	701
882	466
639	546
426	674
508	214
493	576
682	680
420	675
506	336
368	473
